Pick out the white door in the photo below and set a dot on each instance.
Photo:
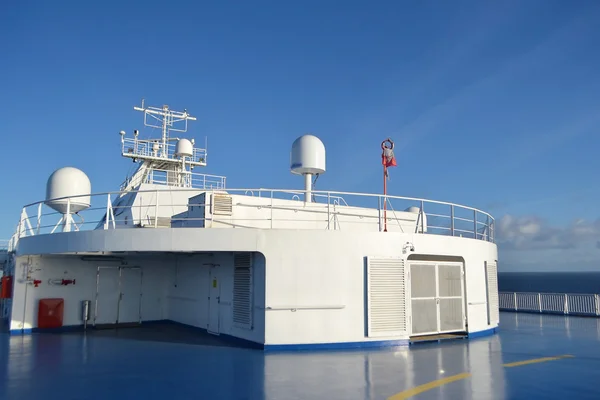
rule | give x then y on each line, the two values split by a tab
214	299
107	296
450	297
423	294
437	298
131	295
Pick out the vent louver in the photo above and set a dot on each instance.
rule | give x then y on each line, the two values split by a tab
222	204
242	290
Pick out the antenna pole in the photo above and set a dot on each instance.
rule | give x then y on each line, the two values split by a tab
388	160
165	129
308	188
385	198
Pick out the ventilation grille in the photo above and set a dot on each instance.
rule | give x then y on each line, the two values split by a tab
222	204
242	259
242	297
159	222
493	302
386	297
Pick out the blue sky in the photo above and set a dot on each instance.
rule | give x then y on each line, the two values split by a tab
492	104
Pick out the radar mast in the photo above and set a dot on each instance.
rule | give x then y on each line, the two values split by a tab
171	156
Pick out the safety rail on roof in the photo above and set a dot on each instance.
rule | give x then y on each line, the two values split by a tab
551	303
167	177
328	210
149	148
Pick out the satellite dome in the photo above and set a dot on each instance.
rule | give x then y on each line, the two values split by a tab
184	148
308	155
63	185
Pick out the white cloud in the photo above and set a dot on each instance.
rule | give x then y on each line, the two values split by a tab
533	233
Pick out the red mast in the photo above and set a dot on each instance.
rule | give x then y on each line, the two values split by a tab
388	160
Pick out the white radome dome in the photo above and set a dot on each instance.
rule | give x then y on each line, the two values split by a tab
307	156
63	185
184	148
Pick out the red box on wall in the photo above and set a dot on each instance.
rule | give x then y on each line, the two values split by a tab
50	313
6	287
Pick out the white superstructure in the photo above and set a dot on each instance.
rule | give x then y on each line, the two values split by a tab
274	267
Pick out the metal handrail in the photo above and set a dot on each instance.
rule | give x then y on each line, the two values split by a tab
551	303
160	176
327	203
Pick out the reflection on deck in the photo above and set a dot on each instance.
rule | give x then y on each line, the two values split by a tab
165	362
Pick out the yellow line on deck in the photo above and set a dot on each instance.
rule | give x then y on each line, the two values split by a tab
440	382
536	360
428	386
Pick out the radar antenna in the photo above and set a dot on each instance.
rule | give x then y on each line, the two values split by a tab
165	119
171	156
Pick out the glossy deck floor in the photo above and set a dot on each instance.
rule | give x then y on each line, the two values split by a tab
167	362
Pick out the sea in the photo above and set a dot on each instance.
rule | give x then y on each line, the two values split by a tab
549	282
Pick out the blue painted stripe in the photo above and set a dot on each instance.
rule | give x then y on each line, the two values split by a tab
484	333
266	347
574	314
335	346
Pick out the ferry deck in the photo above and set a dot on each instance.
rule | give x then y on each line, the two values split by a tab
532	356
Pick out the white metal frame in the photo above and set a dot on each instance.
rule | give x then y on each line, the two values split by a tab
437	296
120	269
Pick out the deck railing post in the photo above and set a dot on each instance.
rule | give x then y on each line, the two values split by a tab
596	305
566	303
422	216
474	224
540	301
452	220
271	209
107	212
515	297
39	219
328	208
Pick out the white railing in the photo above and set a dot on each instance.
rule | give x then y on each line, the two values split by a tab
165	177
551	303
329	210
146	148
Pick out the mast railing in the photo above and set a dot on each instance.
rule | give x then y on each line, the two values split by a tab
169	177
145	148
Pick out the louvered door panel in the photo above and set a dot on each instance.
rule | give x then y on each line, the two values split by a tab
386	297
492	287
242	290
